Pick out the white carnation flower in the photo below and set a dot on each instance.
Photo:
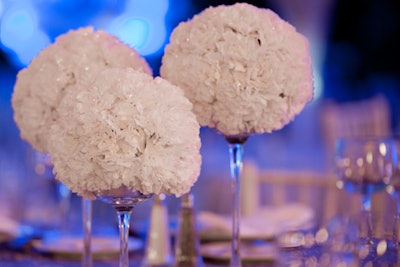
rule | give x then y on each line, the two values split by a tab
126	129
76	56
244	68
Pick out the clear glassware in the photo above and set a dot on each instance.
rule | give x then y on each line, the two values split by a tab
123	200
394	192
43	167
365	165
87	257
236	145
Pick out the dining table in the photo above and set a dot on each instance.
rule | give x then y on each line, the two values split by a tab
313	245
299	256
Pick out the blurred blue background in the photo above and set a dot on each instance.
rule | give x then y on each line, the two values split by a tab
354	46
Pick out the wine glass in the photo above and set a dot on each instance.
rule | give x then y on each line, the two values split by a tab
236	145
123	200
365	165
394	192
43	166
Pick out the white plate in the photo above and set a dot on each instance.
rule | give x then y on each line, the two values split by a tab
72	247
251	252
265	224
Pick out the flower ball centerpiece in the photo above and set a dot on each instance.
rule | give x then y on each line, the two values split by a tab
246	71
75	57
244	68
123	138
112	131
126	130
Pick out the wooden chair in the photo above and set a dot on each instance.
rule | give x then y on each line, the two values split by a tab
317	190
280	187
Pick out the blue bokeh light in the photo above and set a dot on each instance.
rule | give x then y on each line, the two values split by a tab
29	26
18	26
142	26
132	31
20	35
1	9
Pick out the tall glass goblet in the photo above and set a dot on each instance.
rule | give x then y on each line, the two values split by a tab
394	192
44	168
123	200
365	165
236	144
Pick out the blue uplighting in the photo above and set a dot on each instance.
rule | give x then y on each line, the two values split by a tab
29	26
20	34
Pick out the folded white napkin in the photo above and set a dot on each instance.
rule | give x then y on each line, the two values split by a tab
267	222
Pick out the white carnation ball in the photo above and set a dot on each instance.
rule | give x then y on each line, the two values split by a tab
244	69
126	129
76	56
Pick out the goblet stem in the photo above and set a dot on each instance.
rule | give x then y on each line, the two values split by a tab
366	208
396	230
123	200
87	259
64	196
236	154
124	216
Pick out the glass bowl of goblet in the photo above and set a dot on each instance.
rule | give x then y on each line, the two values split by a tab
365	165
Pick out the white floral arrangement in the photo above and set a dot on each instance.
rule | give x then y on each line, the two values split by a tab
244	68
126	129
75	57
